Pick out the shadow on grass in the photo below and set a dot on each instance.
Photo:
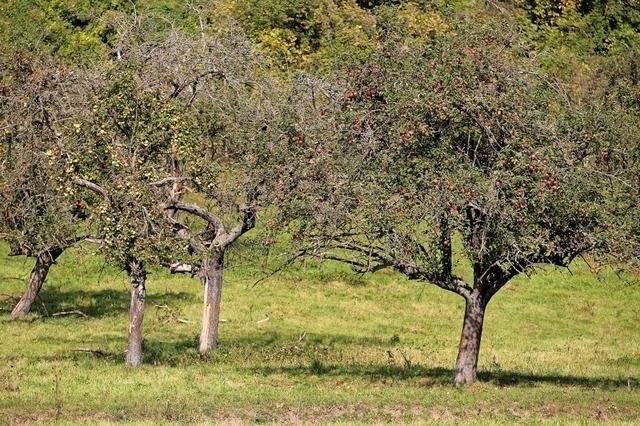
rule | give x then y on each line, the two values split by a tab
444	376
283	339
98	303
112	350
94	303
262	355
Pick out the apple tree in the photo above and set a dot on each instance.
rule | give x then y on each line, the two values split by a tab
38	218
192	135
244	155
455	149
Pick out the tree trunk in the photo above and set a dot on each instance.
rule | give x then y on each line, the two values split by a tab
138	277
467	361
211	275
36	280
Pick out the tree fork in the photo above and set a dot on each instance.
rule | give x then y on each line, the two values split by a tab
211	275
36	280
138	277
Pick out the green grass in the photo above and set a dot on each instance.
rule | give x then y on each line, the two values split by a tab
557	347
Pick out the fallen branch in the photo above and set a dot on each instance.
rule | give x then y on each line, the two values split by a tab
91	351
65	313
262	320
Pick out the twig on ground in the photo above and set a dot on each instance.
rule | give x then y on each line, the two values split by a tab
65	313
91	351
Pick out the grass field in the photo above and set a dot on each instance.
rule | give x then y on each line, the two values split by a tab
318	345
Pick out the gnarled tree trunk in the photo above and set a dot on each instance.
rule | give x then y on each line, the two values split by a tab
36	280
469	349
138	276
211	274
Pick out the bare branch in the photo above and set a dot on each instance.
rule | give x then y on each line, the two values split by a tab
167	180
197	211
91	186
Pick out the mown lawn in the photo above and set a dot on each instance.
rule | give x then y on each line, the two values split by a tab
318	345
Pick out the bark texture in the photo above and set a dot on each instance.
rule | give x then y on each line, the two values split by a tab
36	281
138	277
467	361
211	274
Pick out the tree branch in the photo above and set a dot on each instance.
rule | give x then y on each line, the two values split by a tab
183	268
411	271
167	180
198	211
248	222
179	88
91	186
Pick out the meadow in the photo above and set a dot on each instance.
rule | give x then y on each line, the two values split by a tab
317	344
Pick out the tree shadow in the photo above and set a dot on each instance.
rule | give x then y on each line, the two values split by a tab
289	346
280	339
97	303
112	350
261	354
517	379
267	355
178	353
440	376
